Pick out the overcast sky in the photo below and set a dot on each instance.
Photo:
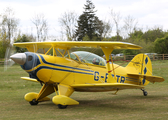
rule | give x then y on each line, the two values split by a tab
147	12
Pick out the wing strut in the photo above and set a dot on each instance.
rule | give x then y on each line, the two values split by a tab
113	67
107	52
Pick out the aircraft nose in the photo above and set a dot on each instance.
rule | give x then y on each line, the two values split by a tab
19	58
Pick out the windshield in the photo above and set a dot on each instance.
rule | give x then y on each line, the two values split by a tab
87	57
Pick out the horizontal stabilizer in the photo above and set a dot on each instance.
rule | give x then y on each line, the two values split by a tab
29	79
149	77
105	86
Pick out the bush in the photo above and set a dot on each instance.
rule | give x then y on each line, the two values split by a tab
3	46
161	45
24	38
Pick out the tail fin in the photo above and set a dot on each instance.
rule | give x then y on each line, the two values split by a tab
140	65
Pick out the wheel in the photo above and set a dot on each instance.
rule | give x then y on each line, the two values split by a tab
33	102
62	106
145	93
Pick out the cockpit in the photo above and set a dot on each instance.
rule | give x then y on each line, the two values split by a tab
88	58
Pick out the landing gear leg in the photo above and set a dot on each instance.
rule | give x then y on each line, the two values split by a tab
145	93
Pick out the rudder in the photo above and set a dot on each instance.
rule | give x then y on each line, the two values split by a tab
140	64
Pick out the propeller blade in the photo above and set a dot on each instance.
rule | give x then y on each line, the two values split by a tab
8	62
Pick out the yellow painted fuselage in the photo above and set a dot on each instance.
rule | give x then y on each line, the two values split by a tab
64	70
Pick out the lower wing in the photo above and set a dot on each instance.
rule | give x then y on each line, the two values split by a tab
105	87
29	79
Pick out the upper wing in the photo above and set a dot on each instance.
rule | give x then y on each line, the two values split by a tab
105	86
71	44
149	77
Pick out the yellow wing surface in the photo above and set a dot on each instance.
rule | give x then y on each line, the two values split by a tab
149	77
105	86
29	79
70	44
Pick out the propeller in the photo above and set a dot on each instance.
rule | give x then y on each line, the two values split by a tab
11	55
8	62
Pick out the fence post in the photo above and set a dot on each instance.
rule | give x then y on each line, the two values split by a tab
124	57
153	56
163	56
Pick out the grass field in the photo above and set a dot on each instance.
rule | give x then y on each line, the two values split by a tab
127	104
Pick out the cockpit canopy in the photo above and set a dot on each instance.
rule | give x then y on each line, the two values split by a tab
87	57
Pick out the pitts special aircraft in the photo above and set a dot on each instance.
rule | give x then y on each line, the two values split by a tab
80	71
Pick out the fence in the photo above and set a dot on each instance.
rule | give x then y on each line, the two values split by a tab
1	61
160	57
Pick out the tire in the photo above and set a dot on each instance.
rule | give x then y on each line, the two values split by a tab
145	93
62	106
33	102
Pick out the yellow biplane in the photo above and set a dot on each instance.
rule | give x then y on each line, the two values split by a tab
80	71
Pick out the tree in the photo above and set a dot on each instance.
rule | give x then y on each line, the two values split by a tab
136	34
3	45
107	29
88	23
130	25
152	34
41	26
100	27
68	21
3	48
116	18
130	52
161	45
22	38
9	24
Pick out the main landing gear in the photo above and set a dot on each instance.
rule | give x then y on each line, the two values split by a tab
62	106
145	93
33	102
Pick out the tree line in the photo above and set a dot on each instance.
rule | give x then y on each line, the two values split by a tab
86	27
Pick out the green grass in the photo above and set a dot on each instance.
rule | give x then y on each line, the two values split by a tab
127	104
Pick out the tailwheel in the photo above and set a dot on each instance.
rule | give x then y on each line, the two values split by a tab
145	93
33	102
62	106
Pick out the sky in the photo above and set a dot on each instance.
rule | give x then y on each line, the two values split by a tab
147	12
